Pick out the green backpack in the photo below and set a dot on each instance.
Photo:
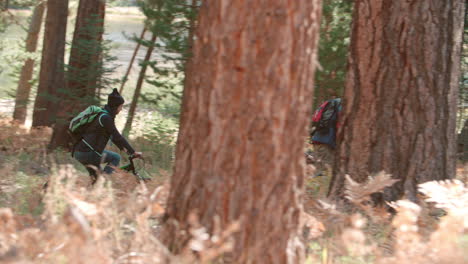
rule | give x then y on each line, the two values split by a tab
81	122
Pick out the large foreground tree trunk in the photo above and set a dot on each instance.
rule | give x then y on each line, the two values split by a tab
24	84
401	93
245	108
51	76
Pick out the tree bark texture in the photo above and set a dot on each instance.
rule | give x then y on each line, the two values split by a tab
239	153
135	52
6	4
24	84
84	69
401	94
83	74
51	76
139	85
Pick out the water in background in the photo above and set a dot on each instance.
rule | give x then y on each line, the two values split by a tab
120	24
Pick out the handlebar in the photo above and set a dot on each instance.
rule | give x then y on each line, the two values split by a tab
132	157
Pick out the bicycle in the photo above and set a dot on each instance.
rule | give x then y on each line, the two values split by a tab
130	167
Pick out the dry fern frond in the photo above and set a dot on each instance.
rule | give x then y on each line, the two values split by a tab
328	205
451	195
354	239
311	226
408	246
359	193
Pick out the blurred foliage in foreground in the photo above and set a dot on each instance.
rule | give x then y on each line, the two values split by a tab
119	221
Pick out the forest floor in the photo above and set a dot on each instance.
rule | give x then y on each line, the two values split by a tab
119	221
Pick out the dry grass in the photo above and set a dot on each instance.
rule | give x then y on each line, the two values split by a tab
434	231
119	220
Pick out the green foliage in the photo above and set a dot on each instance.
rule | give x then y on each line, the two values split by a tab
463	95
112	3
14	57
107	67
96	76
22	3
23	189
170	21
3	22
161	132
333	48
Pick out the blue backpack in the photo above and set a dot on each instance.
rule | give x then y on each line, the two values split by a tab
325	122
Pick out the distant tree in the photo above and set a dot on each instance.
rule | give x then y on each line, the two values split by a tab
122	2
170	22
244	117
463	142
6	4
24	84
51	76
85	65
84	68
21	3
130	64
462	124
401	93
463	97
139	85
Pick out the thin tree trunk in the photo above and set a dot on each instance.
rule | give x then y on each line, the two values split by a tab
125	78
51	76
139	85
24	84
6	4
401	93
239	154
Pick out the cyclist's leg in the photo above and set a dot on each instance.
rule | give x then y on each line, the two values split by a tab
325	156
112	159
91	161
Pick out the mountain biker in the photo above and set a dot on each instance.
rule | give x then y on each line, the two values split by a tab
324	139
327	136
90	150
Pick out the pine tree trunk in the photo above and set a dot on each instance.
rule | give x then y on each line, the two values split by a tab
85	55
401	93
24	84
139	85
51	76
83	71
244	120
125	78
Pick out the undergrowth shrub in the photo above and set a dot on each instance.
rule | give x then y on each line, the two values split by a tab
119	220
434	231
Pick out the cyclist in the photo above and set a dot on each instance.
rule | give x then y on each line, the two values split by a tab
90	150
324	137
